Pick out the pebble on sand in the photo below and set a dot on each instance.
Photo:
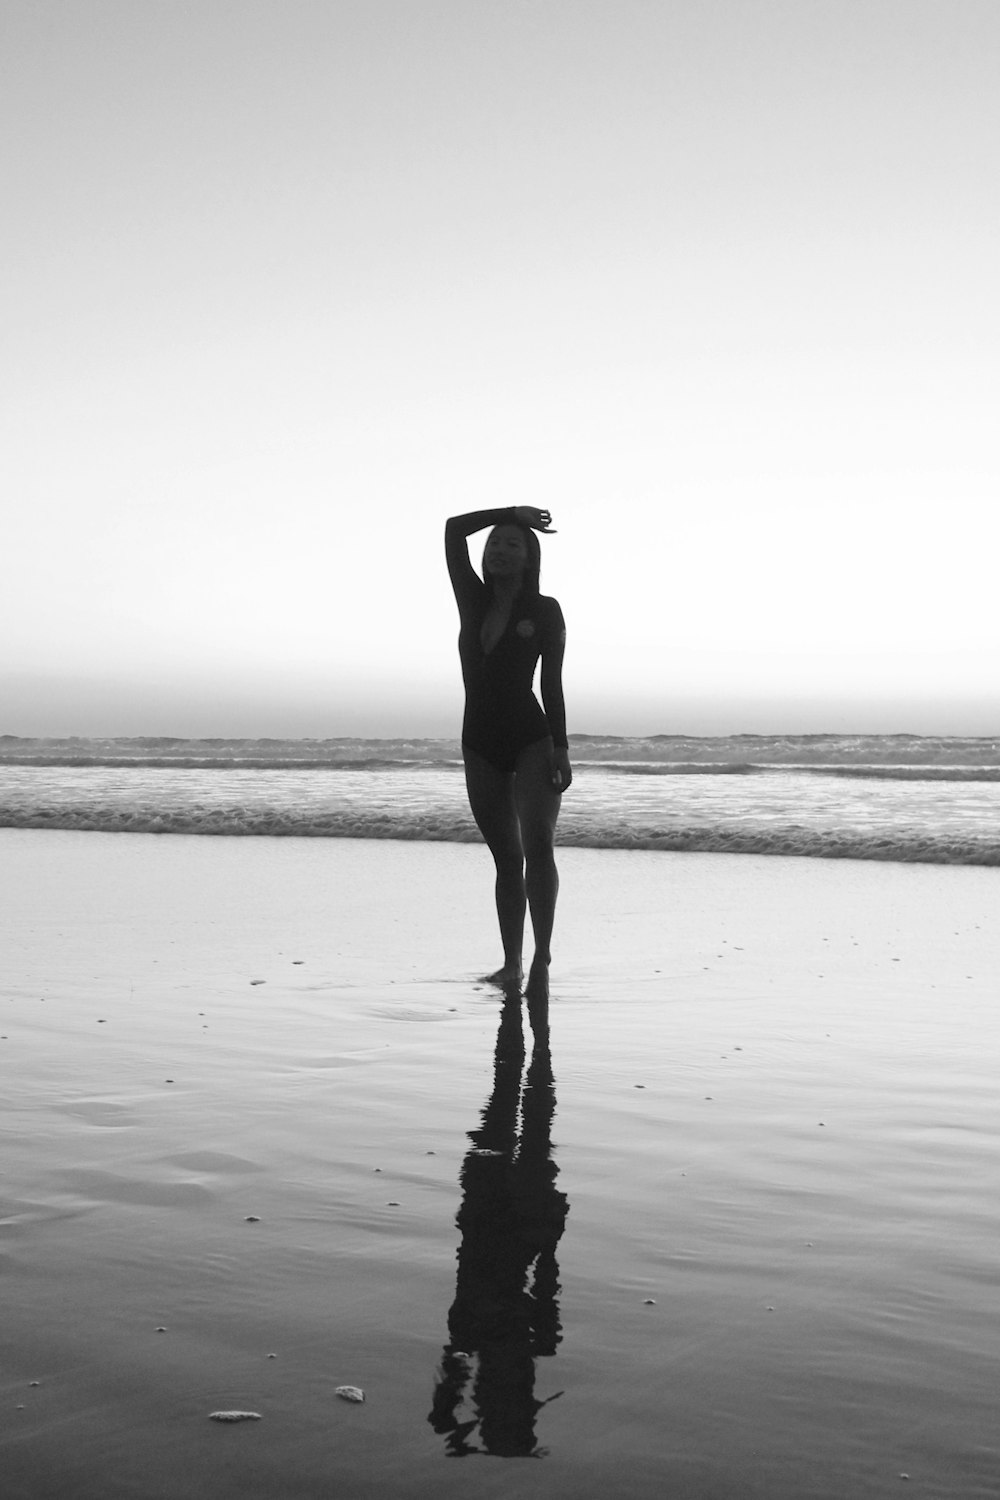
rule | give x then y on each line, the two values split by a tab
350	1393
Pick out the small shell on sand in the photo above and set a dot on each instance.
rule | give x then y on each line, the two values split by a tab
234	1416
349	1393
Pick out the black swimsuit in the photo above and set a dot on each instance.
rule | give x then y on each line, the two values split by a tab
502	714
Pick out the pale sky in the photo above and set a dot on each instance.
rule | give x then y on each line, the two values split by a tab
284	284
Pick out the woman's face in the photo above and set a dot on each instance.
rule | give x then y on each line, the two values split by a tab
506	553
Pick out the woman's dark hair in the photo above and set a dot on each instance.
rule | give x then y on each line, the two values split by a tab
530	585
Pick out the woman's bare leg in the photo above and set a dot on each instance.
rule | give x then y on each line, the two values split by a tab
537	803
491	797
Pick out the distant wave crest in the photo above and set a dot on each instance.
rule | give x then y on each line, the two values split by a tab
894	756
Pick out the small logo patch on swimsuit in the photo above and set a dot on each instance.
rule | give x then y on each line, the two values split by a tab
525	629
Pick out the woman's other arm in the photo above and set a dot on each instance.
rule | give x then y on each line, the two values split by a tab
553	649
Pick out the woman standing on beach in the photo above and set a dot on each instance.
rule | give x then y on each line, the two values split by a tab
516	757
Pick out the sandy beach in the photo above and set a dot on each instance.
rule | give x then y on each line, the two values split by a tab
730	1232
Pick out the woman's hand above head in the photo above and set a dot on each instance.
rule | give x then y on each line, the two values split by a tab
538	520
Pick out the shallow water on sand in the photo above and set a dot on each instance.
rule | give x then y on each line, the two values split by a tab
731	1233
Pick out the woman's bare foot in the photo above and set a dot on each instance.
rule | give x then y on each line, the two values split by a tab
504	978
537	987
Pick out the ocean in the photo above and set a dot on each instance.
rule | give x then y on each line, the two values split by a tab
886	797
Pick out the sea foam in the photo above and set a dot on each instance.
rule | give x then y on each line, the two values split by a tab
887	798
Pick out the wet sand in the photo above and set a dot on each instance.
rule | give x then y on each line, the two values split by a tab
731	1230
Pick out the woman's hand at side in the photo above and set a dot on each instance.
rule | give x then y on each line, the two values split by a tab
538	520
562	771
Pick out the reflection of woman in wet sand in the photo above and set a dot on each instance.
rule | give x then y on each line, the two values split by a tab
505	1314
516	756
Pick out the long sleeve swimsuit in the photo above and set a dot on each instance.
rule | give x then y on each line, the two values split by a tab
502	714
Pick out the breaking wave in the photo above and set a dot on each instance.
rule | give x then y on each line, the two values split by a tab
815	811
434	827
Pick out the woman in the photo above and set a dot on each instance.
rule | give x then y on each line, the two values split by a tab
516	757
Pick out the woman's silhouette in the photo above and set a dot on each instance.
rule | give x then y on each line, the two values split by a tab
505	1313
516	756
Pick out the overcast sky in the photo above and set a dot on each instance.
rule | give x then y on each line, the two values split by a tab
284	284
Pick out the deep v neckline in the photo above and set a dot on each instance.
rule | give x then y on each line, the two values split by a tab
503	632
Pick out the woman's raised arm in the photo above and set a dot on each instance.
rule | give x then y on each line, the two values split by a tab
464	578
